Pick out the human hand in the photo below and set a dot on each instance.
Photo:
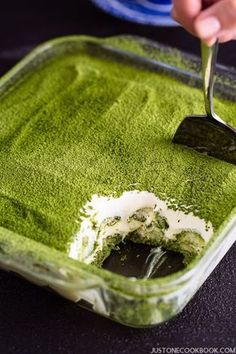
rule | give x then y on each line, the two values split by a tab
207	19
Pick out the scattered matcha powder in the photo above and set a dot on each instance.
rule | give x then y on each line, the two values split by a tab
83	125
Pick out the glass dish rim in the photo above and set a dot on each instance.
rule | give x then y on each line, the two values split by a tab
225	229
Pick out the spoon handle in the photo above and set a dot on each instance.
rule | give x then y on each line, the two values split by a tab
209	55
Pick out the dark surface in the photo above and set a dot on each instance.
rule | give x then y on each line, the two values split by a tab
133	259
33	320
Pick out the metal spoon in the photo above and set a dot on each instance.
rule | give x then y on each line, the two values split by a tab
208	134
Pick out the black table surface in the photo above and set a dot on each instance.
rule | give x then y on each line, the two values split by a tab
33	320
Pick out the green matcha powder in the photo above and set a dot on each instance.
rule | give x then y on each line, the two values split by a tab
83	125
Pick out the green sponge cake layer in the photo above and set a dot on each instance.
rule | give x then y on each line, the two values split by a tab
82	126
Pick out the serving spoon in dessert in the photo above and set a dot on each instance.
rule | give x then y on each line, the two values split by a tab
208	133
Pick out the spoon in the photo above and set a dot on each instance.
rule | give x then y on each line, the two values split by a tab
208	134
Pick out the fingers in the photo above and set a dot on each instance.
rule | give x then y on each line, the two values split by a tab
217	21
225	36
185	11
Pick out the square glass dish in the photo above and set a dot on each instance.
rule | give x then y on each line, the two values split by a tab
64	138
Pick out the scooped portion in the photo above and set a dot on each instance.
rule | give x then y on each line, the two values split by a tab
141	217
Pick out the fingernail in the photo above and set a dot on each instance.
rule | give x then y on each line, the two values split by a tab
207	27
210	42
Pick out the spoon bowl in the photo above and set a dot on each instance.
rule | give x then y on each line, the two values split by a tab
208	133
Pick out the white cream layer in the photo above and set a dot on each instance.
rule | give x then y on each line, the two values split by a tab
101	208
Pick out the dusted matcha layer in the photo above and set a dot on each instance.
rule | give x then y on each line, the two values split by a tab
81	126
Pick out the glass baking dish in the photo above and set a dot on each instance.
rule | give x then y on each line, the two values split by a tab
131	301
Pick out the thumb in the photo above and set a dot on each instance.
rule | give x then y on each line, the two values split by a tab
218	18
